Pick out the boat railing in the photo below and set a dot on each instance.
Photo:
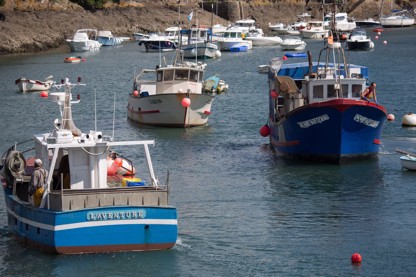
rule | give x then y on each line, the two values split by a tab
75	199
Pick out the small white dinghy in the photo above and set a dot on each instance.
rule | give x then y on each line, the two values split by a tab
409	120
408	160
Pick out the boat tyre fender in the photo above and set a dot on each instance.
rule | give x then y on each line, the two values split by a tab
309	28
15	163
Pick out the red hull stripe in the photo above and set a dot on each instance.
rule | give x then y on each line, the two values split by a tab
288	143
207	112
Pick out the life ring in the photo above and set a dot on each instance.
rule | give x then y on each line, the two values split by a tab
15	163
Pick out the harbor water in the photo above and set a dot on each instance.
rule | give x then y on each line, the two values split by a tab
242	211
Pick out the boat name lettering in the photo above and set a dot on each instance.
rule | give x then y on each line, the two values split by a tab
310	122
366	121
155	101
115	215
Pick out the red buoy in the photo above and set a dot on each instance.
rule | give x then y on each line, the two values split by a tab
135	93
186	102
44	94
284	58
356	258
265	130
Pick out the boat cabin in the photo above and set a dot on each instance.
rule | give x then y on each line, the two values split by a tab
170	79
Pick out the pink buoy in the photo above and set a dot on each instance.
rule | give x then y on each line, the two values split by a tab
390	117
265	130
284	58
273	94
385	42
135	93
44	94
356	258
376	37
84	59
186	102
379	33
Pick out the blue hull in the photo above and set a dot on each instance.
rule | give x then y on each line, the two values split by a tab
102	229
332	131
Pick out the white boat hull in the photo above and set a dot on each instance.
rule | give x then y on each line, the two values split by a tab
226	45
201	50
83	46
396	21
265	41
408	162
26	85
167	110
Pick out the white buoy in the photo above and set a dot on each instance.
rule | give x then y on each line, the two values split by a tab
409	120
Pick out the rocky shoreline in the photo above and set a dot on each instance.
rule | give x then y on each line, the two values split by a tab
40	30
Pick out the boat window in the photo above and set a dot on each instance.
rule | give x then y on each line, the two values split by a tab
181	74
203	34
193	76
194	34
201	75
356	90
159	76
168	76
344	89
331	91
318	91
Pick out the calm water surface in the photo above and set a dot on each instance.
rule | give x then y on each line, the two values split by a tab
242	211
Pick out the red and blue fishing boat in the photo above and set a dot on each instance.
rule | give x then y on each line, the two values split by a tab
316	111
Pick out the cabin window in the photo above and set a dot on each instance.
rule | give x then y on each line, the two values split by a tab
181	74
356	90
160	76
318	91
193	76
332	93
201	75
168	76
344	89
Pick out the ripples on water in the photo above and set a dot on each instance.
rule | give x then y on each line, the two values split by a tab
242	210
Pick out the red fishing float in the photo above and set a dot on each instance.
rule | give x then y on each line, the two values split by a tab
186	102
356	258
135	93
390	117
44	94
273	94
265	130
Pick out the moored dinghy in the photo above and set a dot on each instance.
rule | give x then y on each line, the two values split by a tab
27	85
408	161
84	209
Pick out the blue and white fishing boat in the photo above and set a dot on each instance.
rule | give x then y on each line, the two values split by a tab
316	112
93	202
